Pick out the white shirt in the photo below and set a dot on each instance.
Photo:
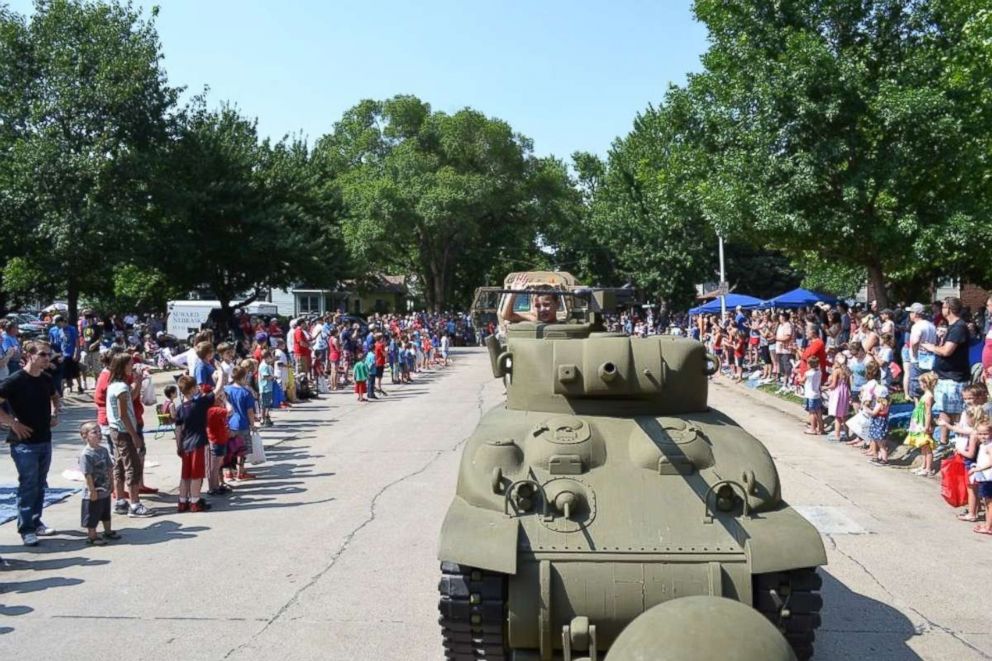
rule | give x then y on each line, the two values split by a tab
922	331
114	390
191	360
811	388
982	458
282	368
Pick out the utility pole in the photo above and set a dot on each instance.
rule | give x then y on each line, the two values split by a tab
723	282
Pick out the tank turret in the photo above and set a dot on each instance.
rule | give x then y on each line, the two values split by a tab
606	487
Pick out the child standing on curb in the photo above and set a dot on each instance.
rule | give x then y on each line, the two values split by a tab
371	369
921	425
839	385
266	385
813	399
191	441
361	375
217	437
97	467
241	403
981	473
878	417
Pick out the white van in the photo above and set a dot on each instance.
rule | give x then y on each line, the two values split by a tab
187	317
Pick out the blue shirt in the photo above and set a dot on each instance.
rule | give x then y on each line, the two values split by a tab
56	338
10	342
70	341
204	374
265	370
241	401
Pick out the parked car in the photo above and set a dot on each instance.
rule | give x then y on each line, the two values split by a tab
29	325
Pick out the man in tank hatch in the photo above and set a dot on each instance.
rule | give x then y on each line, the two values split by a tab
544	304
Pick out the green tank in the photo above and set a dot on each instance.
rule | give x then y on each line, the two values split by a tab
606	491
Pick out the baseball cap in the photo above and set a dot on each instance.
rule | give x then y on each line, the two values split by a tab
261	337
916	308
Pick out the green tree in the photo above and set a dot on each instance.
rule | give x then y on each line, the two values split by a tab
83	108
645	223
242	215
833	130
447	197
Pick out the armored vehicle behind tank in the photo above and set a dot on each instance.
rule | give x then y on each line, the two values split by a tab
606	489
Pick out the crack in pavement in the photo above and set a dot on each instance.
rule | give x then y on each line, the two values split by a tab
346	542
928	624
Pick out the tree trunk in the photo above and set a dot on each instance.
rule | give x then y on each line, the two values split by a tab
439	284
223	324
429	289
877	279
72	296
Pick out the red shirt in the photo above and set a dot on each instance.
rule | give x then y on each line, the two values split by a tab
217	425
815	348
380	354
100	397
301	342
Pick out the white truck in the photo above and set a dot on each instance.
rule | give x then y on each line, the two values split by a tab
187	317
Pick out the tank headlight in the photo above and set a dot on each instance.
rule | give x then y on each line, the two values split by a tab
725	498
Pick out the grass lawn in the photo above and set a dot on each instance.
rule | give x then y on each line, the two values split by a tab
896	435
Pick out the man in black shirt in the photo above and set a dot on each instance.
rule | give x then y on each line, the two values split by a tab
35	404
951	366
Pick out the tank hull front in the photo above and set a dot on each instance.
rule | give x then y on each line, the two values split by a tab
659	508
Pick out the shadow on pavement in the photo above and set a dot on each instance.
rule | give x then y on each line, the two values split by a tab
236	503
12	611
859	627
53	563
158	532
40	584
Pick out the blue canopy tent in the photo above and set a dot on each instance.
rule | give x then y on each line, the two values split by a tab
732	301
798	298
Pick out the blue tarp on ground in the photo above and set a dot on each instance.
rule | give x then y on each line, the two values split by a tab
798	298
8	500
733	300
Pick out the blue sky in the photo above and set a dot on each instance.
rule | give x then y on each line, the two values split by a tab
569	75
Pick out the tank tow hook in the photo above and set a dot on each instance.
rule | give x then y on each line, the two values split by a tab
580	636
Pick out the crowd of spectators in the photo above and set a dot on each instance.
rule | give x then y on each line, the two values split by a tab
850	364
230	386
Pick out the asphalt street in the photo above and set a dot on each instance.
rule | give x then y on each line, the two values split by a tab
331	553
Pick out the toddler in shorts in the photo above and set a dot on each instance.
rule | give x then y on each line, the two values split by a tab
97	467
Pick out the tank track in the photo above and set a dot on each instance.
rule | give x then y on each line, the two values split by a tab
473	618
797	593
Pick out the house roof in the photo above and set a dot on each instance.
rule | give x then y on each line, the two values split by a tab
392	284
